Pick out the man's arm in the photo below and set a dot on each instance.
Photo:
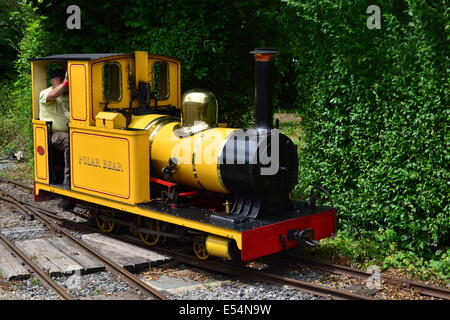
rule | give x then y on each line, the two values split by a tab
58	89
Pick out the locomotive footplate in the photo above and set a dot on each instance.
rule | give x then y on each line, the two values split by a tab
264	236
253	237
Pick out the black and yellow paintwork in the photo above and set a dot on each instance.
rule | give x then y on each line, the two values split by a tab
116	144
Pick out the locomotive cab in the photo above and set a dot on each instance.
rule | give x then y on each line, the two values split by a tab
105	90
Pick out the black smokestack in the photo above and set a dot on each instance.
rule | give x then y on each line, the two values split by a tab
263	86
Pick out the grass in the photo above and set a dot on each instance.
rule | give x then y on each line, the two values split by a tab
19	171
35	282
15	133
15	122
15	137
290	125
362	253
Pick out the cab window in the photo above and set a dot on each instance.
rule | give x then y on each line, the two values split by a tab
112	82
161	79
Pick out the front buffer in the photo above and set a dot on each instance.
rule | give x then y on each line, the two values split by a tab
278	236
254	238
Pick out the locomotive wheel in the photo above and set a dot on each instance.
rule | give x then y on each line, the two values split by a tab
103	224
199	246
152	224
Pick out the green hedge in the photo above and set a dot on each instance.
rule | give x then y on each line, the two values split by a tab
376	116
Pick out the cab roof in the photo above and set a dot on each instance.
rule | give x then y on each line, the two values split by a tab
78	56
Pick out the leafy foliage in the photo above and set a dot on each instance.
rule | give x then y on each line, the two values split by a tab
9	36
15	94
375	108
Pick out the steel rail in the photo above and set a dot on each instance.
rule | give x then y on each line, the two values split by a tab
112	265
30	216
252	274
247	273
4	180
50	283
425	289
23	205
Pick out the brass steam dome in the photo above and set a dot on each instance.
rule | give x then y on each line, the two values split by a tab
199	110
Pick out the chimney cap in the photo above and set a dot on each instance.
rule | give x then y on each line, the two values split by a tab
264	51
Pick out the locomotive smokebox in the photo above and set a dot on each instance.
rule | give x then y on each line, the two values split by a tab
263	86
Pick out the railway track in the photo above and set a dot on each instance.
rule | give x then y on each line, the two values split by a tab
48	282
224	268
110	265
253	275
425	289
16	183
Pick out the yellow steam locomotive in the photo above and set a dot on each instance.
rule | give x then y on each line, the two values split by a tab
146	157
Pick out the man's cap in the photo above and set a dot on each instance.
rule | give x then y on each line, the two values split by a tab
57	73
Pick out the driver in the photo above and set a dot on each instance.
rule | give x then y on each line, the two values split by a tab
54	106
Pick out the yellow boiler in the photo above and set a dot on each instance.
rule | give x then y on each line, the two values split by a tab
194	145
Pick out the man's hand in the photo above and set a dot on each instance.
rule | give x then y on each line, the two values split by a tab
66	81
